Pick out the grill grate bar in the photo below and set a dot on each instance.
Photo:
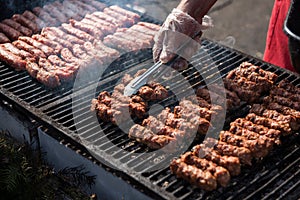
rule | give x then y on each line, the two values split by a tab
290	189
92	129
7	74
83	122
11	75
46	101
165	179
21	92
12	84
108	135
284	183
274	178
266	172
36	99
103	130
128	155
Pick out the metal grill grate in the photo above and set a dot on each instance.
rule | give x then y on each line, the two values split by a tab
275	176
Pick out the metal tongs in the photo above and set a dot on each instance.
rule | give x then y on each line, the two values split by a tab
141	80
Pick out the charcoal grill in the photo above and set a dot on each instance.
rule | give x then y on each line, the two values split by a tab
276	176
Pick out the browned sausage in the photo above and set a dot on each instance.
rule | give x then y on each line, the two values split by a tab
26	22
11	33
3	38
24	30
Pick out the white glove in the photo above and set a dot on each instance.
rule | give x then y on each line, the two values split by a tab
178	29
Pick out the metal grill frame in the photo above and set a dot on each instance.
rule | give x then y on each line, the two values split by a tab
145	181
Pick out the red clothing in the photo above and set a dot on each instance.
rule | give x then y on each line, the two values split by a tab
277	50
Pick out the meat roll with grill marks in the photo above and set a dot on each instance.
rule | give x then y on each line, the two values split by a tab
250	135
80	53
144	30
78	10
47	66
126	13
190	125
26	22
289	87
250	68
112	53
77	32
150	26
44	48
251	76
55	13
146	136
85	6
262	130
153	91
32	17
202	179
64	35
3	38
124	20
246	94
220	173
270	123
259	147
103	54
141	42
221	100
55	60
277	91
120	44
231	163
189	107
159	128
47	78
92	30
268	103
29	48
286	102
57	47
232	98
119	105
32	68
11	59
104	26
98	5
146	40
11	33
29	15
45	16
19	52
61	34
17	26
69	13
61	41
108	18
68	56
273	114
222	148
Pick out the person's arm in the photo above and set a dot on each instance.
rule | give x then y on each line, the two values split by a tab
196	8
183	23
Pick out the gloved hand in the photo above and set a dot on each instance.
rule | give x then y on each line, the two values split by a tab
178	29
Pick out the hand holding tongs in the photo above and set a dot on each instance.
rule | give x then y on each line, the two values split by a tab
141	80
